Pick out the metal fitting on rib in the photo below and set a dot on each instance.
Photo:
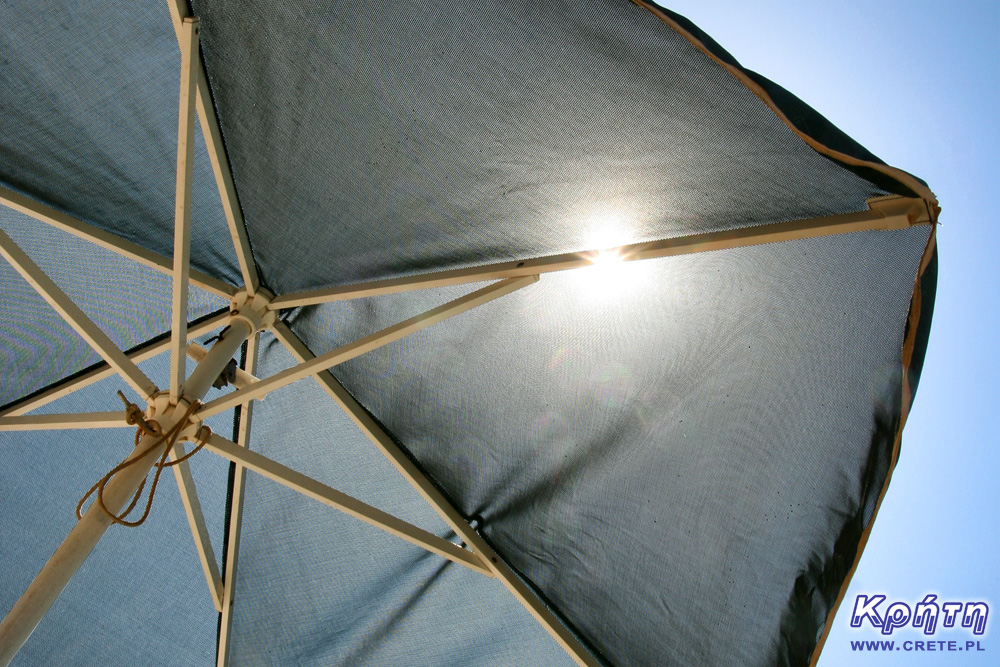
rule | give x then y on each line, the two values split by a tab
903	212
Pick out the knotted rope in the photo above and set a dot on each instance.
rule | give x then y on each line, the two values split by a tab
133	415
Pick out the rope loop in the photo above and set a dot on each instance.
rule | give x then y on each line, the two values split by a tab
135	416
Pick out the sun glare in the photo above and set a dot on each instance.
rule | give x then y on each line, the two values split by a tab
607	275
607	257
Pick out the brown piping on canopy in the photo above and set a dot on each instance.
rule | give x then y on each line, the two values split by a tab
905	179
907	399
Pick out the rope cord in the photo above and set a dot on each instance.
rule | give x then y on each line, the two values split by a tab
219	336
144	427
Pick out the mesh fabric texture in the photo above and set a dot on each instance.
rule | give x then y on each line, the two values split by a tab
416	137
88	123
130	302
373	599
672	457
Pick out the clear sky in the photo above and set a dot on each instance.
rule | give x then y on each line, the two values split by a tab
916	83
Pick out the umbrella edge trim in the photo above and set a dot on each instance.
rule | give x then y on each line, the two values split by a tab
853	163
915	318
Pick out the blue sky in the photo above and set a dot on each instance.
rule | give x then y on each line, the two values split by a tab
916	83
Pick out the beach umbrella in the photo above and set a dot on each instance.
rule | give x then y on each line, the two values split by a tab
506	333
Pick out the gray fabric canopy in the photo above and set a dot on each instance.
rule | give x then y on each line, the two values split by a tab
667	460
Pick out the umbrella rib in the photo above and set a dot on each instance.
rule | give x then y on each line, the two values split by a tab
196	520
76	318
892	212
220	163
437	500
108	241
366	344
308	486
101	371
188	37
188	41
231	554
64	421
189	45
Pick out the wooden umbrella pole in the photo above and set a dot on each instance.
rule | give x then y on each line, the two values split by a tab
67	559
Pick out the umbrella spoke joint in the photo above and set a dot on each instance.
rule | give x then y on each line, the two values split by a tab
253	309
186	427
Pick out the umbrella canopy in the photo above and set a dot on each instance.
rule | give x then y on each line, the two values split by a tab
601	344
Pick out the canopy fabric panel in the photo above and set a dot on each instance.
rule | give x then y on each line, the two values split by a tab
130	302
682	463
88	123
426	136
819	132
318	587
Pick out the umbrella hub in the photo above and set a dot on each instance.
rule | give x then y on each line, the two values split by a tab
254	310
158	431
163	415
